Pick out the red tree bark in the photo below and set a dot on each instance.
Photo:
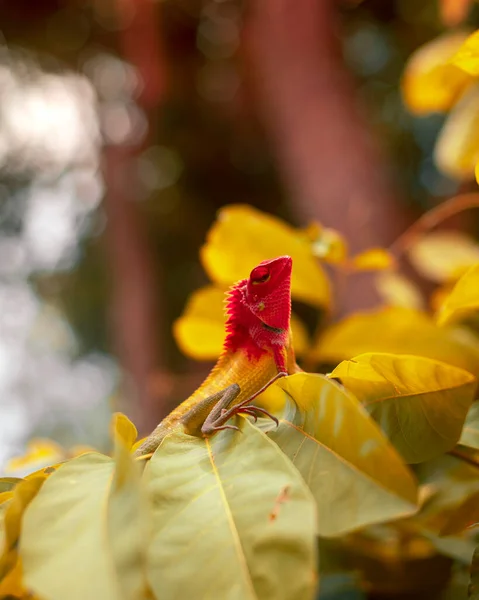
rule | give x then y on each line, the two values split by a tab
332	166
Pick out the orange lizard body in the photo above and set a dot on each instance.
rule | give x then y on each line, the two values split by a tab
257	349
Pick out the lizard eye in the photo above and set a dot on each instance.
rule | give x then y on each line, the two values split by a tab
260	275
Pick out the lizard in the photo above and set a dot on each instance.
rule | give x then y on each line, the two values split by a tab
257	350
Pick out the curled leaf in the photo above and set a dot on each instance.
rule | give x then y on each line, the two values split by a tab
419	403
457	148
123	430
430	83
354	473
243	236
463	301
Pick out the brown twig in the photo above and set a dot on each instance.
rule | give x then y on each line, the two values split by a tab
432	219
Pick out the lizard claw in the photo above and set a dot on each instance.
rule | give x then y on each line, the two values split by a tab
254	410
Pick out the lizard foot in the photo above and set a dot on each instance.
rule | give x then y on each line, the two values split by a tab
254	411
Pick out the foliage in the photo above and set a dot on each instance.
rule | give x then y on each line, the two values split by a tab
238	515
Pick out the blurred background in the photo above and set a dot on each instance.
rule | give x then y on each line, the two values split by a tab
126	124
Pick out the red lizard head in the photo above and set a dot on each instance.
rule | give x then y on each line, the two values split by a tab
258	309
268	292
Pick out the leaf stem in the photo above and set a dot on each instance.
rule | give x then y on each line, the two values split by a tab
432	219
461	455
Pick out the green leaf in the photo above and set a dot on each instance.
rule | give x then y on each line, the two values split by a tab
470	432
419	403
82	535
398	331
232	519
463	299
355	474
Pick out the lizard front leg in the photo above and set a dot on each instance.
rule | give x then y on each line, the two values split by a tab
217	418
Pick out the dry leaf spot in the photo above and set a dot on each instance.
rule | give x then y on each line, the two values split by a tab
283	497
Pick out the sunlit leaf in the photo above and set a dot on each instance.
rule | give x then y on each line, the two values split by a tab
22	496
419	403
87	514
374	259
397	290
328	244
470	432
123	430
457	148
466	57
429	82
232	519
200	331
398	331
463	301
243	236
355	474
444	255
40	453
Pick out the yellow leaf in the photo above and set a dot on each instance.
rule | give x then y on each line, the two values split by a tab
200	331
466	56
123	430
463	301
444	255
81	536
429	82
457	148
398	331
11	586
243	236
40	453
329	245
23	494
354	473
5	496
397	290
374	259
419	403
232	520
